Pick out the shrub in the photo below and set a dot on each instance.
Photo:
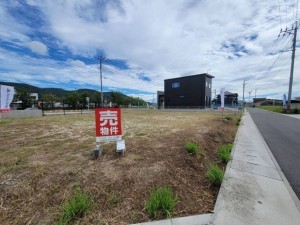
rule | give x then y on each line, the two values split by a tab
192	147
75	207
215	174
224	152
161	202
228	118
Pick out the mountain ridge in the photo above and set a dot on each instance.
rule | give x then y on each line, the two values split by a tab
59	92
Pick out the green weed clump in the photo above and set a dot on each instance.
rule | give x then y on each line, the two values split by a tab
228	118
75	207
215	174
224	152
238	121
161	202
192	147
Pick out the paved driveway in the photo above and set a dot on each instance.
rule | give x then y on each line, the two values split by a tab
282	134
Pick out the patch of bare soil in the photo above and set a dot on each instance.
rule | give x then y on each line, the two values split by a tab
42	161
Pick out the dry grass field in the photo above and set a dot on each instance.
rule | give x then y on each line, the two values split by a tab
43	160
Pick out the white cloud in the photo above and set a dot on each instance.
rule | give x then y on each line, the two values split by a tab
76	63
10	29
163	39
37	47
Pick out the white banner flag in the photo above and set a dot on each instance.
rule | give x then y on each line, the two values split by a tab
6	97
222	98
284	100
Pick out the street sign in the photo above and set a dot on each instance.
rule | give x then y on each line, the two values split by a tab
108	124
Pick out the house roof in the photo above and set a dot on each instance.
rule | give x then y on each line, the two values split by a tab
229	93
208	75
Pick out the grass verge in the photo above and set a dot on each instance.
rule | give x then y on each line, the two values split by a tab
275	108
161	202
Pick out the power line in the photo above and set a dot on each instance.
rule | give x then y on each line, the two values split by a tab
272	75
277	43
274	62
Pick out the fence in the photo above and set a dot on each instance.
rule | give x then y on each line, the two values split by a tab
21	113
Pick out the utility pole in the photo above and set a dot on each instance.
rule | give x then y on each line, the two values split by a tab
255	93
250	95
101	60
292	31
292	67
244	92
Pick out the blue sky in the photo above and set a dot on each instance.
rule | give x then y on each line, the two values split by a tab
53	43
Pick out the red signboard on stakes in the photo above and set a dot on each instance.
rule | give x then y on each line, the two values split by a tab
108	124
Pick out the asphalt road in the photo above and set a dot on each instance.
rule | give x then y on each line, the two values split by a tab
282	135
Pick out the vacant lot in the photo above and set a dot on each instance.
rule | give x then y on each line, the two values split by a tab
43	160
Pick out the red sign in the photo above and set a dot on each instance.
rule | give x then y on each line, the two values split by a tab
108	124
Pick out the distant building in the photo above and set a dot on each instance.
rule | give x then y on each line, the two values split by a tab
230	99
160	99
189	91
259	101
34	96
256	100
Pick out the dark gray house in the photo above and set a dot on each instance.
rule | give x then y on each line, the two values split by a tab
189	91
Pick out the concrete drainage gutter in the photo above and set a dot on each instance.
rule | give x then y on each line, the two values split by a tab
203	219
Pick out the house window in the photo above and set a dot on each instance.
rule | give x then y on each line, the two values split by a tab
175	85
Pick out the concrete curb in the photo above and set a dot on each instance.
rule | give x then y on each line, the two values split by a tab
254	190
203	219
287	184
226	172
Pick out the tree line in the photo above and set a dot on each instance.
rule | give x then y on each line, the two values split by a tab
79	99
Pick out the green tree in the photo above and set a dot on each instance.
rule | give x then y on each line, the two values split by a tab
72	99
50	99
127	101
24	96
117	98
82	98
137	101
96	98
